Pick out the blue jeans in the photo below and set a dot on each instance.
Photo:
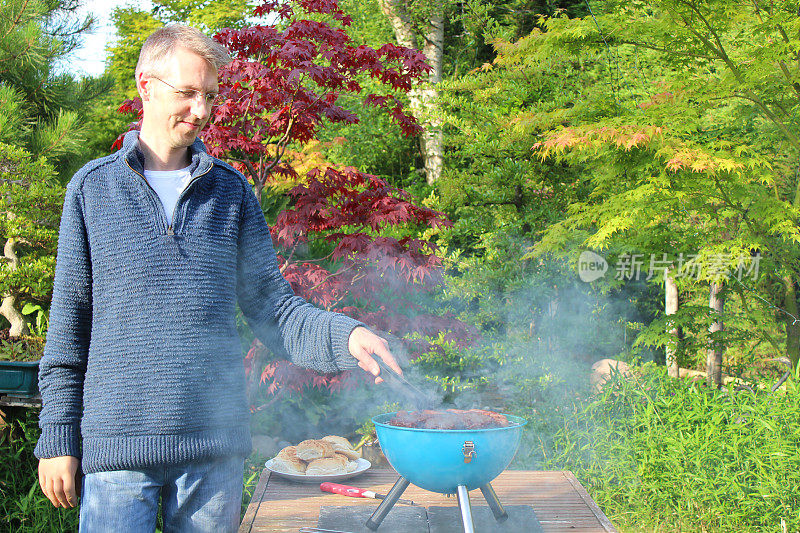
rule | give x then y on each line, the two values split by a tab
203	496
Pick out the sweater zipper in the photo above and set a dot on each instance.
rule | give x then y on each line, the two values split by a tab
170	230
180	197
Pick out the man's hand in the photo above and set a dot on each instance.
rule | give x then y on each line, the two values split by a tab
57	479
363	344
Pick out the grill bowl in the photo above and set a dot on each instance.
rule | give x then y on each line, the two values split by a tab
433	459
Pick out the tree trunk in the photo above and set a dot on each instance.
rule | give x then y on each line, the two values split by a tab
792	324
423	98
432	138
19	326
397	13
716	302
670	308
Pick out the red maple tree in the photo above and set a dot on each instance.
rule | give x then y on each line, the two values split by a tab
283	82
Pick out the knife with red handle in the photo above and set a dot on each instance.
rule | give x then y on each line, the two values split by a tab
353	492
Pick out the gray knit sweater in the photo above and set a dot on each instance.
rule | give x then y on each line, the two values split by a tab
143	360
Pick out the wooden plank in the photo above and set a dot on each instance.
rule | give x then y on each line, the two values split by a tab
7	400
255	502
559	501
601	516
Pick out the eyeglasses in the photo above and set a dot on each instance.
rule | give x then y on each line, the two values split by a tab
191	94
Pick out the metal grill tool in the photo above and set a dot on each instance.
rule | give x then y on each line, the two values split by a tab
400	384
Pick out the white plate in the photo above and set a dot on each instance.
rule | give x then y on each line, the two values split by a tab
362	466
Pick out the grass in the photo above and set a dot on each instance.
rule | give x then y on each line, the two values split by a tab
23	507
660	455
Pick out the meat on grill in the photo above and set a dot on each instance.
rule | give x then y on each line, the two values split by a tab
449	419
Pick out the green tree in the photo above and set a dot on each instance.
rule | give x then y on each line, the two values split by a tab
30	210
500	196
42	109
372	145
688	144
208	15
633	132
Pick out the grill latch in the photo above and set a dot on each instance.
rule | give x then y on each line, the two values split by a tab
469	451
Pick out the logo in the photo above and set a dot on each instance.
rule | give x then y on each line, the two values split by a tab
591	266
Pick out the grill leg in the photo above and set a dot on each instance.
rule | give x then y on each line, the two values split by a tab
464	507
500	514
383	509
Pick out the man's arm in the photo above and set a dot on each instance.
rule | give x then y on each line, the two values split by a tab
63	365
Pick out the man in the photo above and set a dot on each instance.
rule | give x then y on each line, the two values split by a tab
142	376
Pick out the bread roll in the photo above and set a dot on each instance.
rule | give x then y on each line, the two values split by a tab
350	454
343	446
290	452
338	442
309	450
327	466
290	465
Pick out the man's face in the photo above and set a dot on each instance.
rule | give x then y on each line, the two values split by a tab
176	103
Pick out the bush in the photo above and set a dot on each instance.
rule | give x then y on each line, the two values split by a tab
30	207
669	455
25	348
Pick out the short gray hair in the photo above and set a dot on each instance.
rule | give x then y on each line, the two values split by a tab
158	47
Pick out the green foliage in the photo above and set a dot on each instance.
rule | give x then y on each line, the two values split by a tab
39	327
708	165
752	331
28	348
499	196
30	200
132	26
367	429
513	19
369	25
541	383
43	110
372	145
655	128
455	369
664	454
210	16
253	466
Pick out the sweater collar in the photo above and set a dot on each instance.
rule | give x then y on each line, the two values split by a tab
201	162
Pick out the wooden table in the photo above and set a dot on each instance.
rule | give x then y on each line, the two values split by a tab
557	498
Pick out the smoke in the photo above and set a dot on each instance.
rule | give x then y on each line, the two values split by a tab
531	356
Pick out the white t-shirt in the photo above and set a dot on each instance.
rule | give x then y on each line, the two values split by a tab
168	184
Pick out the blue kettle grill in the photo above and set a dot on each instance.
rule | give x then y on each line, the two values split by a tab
449	461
